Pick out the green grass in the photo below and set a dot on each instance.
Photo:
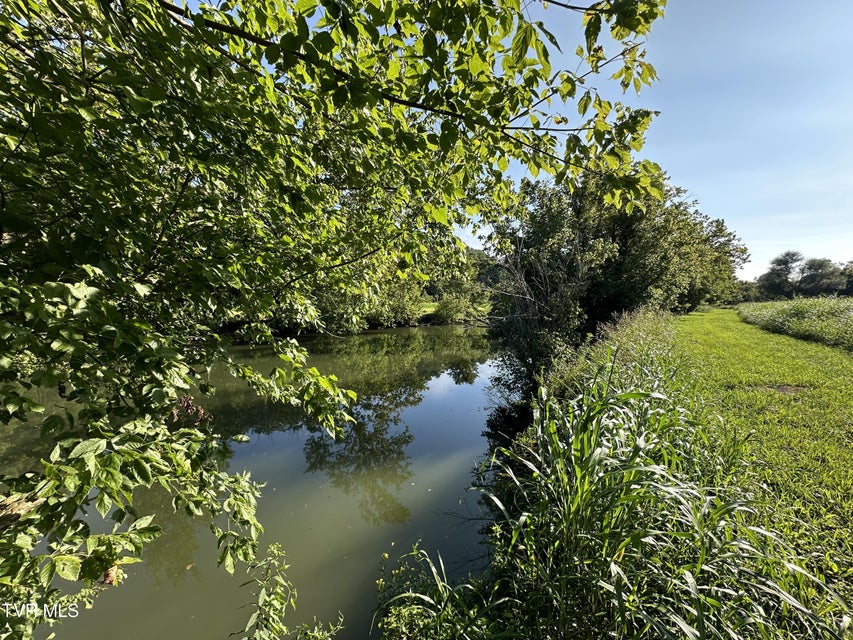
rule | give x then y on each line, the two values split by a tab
825	320
795	398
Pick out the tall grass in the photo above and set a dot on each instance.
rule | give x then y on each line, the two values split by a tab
615	518
825	320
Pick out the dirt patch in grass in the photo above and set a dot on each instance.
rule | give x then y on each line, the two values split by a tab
787	389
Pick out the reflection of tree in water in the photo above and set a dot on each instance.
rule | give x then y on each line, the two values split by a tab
371	364
462	371
370	460
390	371
505	422
511	414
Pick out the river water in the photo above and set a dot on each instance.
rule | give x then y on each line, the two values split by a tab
397	477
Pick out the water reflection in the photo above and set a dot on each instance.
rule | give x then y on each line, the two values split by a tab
369	461
390	371
171	557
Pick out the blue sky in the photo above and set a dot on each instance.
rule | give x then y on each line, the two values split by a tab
756	102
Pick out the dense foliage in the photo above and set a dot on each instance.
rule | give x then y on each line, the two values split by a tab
826	320
168	173
616	515
572	260
442	288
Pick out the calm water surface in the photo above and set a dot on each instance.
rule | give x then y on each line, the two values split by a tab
398	476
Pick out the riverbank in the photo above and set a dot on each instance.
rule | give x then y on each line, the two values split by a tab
624	511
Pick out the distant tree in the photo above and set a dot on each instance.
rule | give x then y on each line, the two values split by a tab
747	291
791	274
780	280
717	257
847	272
547	245
820	276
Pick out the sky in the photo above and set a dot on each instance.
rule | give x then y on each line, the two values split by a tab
756	122
756	102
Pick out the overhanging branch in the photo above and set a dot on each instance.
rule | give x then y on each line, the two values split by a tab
215	25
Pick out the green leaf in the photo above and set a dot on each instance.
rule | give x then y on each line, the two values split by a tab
142	471
67	566
103	503
584	103
141	523
521	43
448	137
430	44
592	29
92	447
46	573
142	289
306	7
438	214
323	42
88	113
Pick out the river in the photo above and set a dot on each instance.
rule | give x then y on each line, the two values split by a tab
397	477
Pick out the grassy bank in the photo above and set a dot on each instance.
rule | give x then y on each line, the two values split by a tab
825	320
617	514
794	398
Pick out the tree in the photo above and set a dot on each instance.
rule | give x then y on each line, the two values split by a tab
819	276
715	282
791	274
168	172
547	247
779	281
847	273
572	261
746	291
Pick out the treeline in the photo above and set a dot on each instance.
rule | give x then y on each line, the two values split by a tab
435	288
792	275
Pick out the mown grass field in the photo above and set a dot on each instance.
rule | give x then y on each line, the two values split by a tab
825	320
796	400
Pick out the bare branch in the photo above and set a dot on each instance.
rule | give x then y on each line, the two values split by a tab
579	8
